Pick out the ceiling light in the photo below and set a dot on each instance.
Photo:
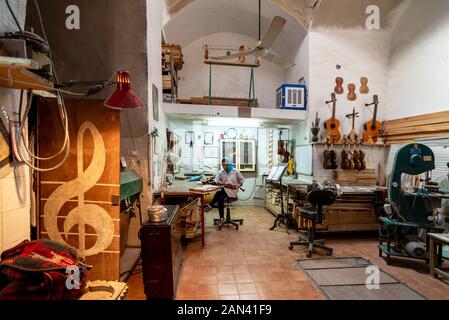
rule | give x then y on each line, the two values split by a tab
124	96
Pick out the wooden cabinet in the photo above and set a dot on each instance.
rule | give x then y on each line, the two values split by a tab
242	152
162	255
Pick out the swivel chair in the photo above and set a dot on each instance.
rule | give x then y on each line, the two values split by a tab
228	220
317	198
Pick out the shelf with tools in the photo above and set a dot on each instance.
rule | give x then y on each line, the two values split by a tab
15	74
172	62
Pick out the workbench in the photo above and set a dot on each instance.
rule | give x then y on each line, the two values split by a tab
354	210
186	190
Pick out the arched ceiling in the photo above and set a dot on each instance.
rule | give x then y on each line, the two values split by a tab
203	17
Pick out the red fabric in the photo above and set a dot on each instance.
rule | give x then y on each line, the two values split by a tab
37	270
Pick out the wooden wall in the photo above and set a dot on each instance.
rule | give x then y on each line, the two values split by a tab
408	129
76	201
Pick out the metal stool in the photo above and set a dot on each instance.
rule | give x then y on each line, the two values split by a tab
228	221
318	198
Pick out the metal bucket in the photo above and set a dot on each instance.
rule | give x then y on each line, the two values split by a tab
157	214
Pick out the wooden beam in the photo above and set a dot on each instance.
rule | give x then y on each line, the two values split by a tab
231	64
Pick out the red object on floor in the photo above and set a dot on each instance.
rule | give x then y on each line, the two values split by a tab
124	97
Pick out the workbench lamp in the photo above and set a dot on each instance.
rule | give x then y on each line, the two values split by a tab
124	97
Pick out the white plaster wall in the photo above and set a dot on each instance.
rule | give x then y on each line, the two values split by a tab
359	53
301	61
227	81
418	72
14	182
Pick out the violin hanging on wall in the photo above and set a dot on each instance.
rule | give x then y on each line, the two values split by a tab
352	96
332	125
339	88
372	127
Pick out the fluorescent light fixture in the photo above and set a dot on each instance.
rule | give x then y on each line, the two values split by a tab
233	122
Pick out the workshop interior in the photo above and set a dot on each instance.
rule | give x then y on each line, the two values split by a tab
224	150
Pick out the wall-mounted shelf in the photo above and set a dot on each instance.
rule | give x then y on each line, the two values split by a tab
15	74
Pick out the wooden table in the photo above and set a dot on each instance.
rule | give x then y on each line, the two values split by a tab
436	242
181	189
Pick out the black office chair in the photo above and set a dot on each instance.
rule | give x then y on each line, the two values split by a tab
318	198
228	220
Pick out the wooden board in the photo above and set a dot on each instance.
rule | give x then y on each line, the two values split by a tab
76	200
410	128
220	101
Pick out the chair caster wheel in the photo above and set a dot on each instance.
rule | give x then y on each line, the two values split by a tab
241	222
290	247
309	255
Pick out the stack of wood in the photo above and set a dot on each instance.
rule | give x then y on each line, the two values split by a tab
173	52
222	101
408	129
353	211
355	178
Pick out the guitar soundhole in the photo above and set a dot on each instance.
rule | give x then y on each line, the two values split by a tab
332	126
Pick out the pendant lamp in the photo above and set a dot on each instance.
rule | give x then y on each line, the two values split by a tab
124	97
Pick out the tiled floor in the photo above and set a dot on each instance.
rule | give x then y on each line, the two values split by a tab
255	263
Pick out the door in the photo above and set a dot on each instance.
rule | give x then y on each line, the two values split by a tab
79	201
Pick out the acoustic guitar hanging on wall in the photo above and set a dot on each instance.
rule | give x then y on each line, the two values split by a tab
332	125
372	127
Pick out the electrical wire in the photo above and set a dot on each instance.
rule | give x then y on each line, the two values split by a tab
20	135
64	121
14	16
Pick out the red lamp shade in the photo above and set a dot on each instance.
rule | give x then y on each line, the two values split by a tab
124	96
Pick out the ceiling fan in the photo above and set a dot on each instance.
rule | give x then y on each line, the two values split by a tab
262	49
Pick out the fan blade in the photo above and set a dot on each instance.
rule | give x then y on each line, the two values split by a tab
270	36
277	60
234	55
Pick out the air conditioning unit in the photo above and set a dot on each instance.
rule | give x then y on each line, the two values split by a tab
291	96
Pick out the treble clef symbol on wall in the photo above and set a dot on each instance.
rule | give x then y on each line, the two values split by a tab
84	214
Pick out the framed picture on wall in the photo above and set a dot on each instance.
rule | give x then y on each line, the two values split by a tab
210	152
190	137
155	100
208	138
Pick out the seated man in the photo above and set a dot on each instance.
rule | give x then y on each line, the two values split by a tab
231	180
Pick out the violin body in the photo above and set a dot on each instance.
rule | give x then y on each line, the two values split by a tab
362	160
333	159
332	127
339	87
356	160
372	130
352	96
364	89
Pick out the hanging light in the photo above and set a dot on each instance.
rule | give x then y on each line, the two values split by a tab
124	97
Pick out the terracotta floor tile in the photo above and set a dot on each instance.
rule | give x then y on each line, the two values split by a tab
271	296
230	297
243	278
227	289
226	278
225	269
283	285
187	289
265	287
253	296
247	288
207	289
208	279
211	270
